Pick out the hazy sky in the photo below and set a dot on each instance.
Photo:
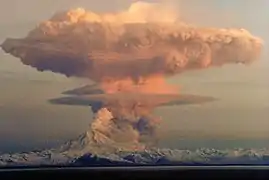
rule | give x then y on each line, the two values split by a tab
243	91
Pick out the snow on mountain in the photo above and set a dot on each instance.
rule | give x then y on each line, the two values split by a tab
83	152
151	157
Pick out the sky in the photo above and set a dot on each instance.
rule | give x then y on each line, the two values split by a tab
243	91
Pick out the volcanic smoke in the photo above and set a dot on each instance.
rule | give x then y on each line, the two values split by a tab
129	54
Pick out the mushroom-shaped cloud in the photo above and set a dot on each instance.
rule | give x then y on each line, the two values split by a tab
144	40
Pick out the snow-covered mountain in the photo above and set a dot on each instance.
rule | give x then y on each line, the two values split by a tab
83	152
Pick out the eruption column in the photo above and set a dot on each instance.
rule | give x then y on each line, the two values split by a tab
127	53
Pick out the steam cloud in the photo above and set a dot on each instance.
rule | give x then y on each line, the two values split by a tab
131	51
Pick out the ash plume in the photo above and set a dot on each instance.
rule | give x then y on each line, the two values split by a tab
129	52
123	132
134	43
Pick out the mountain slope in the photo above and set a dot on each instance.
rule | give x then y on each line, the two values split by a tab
83	152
